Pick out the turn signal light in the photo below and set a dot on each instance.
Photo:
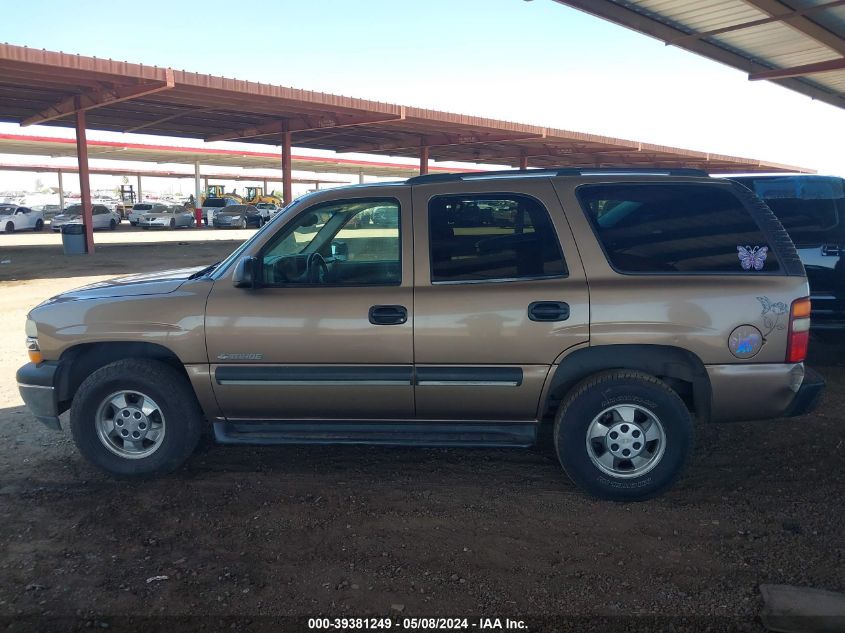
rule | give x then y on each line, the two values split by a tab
33	350
799	331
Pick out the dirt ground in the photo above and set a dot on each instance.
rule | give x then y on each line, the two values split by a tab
354	532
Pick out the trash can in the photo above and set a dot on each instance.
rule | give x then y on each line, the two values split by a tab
73	239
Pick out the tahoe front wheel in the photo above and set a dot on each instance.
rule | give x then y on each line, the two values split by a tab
136	417
623	435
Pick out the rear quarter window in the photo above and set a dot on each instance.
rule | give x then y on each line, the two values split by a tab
676	228
811	208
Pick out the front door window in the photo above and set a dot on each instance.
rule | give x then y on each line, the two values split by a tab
353	243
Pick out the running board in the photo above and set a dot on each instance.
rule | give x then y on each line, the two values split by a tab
389	433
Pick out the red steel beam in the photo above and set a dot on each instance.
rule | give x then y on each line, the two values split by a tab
84	181
423	160
297	125
177	115
287	186
799	71
445	140
99	97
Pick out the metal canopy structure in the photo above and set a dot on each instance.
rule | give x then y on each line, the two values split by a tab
799	44
52	88
44	87
113	150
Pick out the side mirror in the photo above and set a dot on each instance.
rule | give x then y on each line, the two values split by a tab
247	273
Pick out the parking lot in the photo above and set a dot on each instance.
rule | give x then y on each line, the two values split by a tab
329	530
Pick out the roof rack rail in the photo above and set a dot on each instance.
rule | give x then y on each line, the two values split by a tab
560	171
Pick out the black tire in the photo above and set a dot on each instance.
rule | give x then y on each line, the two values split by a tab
618	387
39	225
10	227
161	382
112	225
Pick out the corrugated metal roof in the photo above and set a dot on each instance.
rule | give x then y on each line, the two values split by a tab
46	87
784	37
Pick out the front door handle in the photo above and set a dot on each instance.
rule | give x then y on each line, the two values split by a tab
388	315
548	311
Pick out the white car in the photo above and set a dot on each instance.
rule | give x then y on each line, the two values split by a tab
17	218
170	217
104	218
267	209
141	208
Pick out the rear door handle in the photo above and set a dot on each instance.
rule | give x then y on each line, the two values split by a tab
388	315
548	311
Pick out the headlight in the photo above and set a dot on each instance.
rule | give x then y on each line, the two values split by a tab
31	328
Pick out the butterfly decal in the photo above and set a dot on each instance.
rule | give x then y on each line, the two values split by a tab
752	256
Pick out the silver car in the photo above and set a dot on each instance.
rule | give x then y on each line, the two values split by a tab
168	217
140	208
102	216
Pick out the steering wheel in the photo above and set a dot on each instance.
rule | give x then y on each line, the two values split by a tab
316	270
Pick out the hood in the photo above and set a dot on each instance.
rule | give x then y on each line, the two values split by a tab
65	216
158	283
232	214
155	216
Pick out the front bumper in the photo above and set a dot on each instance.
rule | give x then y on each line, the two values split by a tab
809	394
37	386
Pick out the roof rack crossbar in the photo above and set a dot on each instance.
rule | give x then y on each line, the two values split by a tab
560	171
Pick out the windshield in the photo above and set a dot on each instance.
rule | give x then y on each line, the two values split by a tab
74	209
142	207
6	209
215	202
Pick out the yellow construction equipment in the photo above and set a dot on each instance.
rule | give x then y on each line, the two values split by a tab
219	191
254	195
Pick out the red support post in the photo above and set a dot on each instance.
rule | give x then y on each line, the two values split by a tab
287	186
84	180
423	160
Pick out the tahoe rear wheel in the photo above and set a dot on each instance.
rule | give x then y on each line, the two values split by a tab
136	418
623	435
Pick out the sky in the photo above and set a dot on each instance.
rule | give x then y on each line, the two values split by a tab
532	62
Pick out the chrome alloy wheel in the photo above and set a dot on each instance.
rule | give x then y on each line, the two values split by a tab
130	424
626	441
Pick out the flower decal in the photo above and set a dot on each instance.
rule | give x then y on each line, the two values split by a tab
771	314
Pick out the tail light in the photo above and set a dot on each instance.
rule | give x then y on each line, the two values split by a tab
799	331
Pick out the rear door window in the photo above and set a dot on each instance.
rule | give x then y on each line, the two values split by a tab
491	237
676	228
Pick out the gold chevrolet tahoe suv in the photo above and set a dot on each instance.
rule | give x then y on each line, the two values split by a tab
614	307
